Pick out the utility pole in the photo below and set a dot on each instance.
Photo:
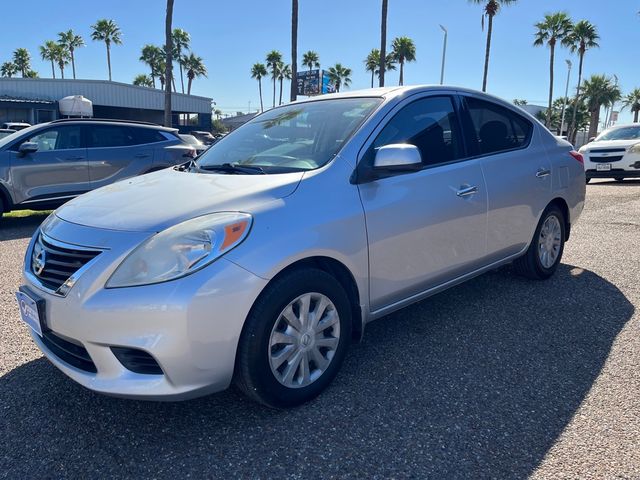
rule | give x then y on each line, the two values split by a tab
444	54
566	92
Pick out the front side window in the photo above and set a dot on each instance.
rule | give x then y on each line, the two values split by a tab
297	137
60	138
430	124
496	128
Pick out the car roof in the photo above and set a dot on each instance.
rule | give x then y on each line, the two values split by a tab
109	121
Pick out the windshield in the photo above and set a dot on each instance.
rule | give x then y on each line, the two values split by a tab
297	137
5	134
623	133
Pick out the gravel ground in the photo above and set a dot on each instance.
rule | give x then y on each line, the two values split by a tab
497	378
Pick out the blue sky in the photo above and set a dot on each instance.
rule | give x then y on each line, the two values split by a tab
231	36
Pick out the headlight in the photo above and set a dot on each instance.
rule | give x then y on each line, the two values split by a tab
635	148
182	249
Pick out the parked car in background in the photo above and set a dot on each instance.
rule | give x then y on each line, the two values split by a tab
260	262
194	142
615	153
4	132
205	137
43	166
15	125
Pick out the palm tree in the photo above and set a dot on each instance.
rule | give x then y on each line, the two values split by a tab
311	60
8	69
339	76
71	41
294	52
556	27
107	31
31	74
274	60
284	73
403	50
599	91
168	66
181	41
22	60
372	63
632	100
258	71
143	80
62	56
153	56
491	9
48	52
583	37
195	67
383	40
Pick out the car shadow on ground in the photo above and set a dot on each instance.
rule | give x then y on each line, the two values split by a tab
13	228
625	183
476	382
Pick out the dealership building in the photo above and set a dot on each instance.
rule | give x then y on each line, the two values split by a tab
35	100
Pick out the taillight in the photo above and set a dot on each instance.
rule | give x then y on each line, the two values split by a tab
577	156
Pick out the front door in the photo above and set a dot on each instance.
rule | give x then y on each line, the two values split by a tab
56	172
426	227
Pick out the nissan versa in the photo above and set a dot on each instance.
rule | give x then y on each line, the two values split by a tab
262	260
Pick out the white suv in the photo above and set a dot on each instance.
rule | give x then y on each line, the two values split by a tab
615	153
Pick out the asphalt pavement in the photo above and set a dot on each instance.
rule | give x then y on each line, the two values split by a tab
500	377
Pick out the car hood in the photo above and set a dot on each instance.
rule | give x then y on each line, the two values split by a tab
610	144
156	201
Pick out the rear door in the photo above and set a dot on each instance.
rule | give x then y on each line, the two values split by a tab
116	152
56	172
517	172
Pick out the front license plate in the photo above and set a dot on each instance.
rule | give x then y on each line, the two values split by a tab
29	312
603	167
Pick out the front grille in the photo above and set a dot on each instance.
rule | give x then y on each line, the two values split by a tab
138	361
71	353
54	263
606	159
608	150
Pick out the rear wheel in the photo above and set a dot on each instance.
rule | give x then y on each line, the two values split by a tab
294	339
545	252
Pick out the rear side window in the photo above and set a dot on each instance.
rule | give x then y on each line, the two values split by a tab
147	135
497	129
430	124
110	136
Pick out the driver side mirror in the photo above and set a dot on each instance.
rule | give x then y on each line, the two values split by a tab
398	157
28	147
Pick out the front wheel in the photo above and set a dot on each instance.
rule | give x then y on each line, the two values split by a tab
545	252
294	339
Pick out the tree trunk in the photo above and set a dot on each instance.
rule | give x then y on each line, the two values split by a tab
401	82
372	76
189	82
53	69
573	128
280	100
62	71
593	124
635	116
552	49
383	40
109	60
153	80
73	63
294	50
168	64
181	77
260	90
274	93
487	54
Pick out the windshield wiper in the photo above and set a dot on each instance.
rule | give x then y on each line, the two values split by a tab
234	168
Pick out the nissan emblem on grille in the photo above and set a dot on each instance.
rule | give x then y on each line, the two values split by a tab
39	262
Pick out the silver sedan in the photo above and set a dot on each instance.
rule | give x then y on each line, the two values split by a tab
260	262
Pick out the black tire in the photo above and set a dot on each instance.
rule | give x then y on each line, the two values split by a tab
529	265
619	179
588	180
253	374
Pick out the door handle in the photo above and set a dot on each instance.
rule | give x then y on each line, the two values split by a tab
465	191
75	158
141	155
543	172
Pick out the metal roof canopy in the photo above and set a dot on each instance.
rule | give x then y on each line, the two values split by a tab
100	92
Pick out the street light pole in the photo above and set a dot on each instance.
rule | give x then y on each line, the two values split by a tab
566	92
444	54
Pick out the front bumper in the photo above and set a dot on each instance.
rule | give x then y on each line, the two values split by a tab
190	326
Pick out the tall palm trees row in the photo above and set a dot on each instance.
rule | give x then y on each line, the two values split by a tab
155	57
